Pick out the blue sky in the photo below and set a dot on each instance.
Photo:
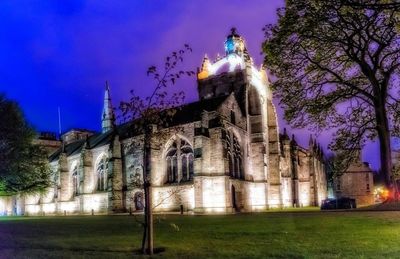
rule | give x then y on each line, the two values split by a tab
60	53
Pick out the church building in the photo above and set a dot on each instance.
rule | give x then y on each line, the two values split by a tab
221	154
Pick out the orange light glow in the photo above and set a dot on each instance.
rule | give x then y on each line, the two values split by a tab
202	75
381	194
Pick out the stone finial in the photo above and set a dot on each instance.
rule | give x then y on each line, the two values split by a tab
206	63
294	140
321	151
285	137
234	31
263	74
63	148
87	143
218	57
310	141
205	66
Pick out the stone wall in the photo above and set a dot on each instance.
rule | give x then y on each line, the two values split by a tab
356	185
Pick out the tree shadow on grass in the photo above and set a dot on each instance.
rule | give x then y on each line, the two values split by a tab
156	251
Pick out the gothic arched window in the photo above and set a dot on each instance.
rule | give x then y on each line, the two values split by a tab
179	162
101	170
234	156
56	184
75	181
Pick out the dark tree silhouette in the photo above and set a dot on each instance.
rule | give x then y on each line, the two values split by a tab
155	111
389	4
337	64
23	165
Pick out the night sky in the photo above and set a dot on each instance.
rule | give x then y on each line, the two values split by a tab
60	53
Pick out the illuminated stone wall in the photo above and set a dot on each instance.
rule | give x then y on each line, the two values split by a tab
275	173
6	207
240	162
61	199
303	173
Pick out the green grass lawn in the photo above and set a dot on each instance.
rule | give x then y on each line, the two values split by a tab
302	234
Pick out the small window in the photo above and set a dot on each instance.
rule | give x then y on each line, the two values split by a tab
338	185
367	186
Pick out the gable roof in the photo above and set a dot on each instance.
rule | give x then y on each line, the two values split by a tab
184	114
76	147
192	111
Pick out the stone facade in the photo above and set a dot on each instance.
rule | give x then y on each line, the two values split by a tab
303	173
222	154
357	183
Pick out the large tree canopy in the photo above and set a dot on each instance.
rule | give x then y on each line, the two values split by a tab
337	66
23	165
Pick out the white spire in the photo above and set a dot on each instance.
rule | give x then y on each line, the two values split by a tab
108	117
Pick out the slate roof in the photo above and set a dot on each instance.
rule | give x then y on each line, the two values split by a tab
192	111
184	114
75	147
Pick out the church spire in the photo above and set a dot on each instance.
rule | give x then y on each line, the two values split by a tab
108	117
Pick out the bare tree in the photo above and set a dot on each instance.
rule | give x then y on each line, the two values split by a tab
338	163
155	111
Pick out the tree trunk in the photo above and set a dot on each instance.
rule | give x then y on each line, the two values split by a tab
148	212
150	244
385	147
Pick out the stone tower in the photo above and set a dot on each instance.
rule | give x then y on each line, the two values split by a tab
108	117
236	74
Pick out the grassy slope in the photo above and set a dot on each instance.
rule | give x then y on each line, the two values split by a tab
277	235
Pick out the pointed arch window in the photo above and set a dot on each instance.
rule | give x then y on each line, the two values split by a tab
56	184
75	181
101	170
234	156
179	162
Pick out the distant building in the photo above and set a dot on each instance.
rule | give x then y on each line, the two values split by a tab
396	165
48	140
222	153
357	183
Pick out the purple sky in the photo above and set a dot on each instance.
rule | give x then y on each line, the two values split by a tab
54	54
